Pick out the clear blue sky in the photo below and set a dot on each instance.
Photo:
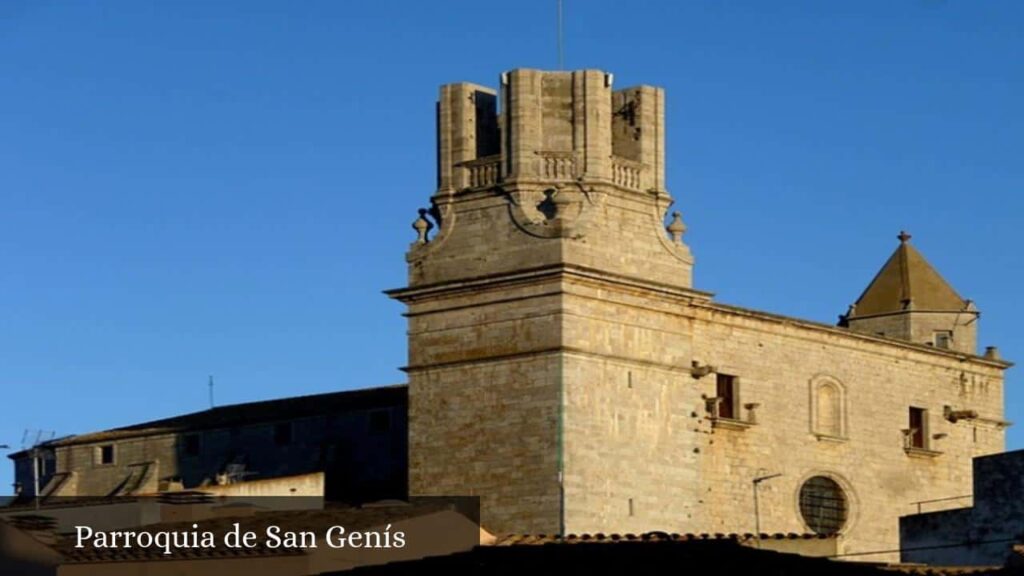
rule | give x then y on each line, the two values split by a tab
195	188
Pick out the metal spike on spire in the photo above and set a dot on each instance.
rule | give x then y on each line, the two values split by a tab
561	46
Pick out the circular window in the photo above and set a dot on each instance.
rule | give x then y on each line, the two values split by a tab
823	505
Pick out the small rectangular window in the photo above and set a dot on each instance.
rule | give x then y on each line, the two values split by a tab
283	433
918	427
943	339
192	445
728	396
105	454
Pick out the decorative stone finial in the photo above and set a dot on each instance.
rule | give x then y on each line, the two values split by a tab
422	226
992	353
904	237
676	228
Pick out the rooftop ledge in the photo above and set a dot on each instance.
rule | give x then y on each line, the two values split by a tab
697	298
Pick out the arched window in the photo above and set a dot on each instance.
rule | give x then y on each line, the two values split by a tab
823	505
828	408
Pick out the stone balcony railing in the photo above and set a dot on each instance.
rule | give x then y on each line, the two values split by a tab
626	173
558	165
484	171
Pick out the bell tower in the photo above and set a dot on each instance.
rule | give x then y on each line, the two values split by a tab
543	296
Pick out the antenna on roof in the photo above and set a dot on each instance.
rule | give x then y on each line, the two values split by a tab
37	437
211	390
31	438
561	51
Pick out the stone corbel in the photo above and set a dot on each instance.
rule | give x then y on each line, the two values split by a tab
752	411
564	210
956	415
698	371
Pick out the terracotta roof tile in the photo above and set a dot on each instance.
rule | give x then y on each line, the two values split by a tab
658	553
539	539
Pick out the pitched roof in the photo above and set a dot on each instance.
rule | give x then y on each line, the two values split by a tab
907	282
614	538
249	413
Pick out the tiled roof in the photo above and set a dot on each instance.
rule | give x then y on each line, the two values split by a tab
907	281
249	413
26	502
654	555
31	522
650	553
919	570
537	539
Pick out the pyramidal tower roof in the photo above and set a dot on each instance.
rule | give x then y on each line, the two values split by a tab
907	282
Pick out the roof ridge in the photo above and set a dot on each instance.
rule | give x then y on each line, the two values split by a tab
906	294
907	282
260	411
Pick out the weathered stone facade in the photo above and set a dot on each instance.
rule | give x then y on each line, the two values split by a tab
562	367
356	438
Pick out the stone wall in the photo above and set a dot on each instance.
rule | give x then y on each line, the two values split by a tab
778	362
981	535
309	485
921	326
152	461
631	453
643	450
483	401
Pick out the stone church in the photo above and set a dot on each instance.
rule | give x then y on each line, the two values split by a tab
563	368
